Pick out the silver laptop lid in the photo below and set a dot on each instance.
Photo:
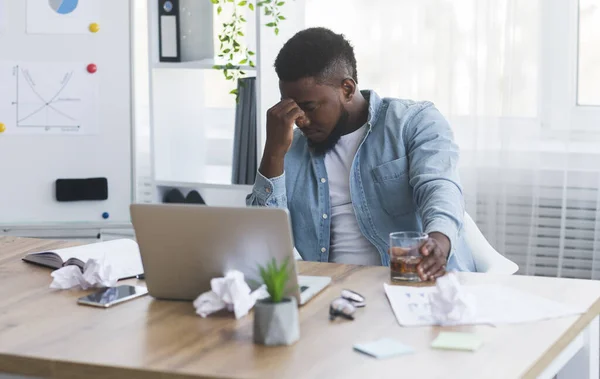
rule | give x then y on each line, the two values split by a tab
184	246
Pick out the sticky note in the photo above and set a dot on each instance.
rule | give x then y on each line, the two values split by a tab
383	348
456	341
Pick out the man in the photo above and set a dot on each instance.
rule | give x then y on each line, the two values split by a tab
358	167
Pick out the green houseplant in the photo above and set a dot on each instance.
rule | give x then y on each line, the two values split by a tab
276	318
231	38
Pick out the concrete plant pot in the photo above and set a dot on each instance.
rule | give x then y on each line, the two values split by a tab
276	323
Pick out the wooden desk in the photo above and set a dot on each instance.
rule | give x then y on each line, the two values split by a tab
45	333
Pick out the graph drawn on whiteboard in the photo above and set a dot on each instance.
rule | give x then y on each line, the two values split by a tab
48	98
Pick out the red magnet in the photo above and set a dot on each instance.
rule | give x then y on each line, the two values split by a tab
91	68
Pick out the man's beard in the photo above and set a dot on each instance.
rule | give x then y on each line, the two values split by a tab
333	138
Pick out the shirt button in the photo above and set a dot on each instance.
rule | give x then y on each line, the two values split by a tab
324	215
267	190
323	250
323	180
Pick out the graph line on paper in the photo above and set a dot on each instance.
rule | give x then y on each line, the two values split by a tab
43	110
49	98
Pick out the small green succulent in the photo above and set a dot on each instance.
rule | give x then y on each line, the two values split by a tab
275	278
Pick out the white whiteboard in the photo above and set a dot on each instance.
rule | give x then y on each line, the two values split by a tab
70	123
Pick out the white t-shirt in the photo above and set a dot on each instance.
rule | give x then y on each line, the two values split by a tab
347	245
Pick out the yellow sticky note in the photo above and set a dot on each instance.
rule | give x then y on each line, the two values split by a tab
2	128
457	341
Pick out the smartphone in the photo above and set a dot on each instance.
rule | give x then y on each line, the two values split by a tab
110	296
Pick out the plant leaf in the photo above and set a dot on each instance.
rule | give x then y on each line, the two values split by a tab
270	24
250	52
251	6
276	31
215	1
242	3
251	63
243	61
219	9
240	33
281	18
233	91
281	3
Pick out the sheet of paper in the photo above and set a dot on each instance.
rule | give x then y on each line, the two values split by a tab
494	304
62	16
383	348
48	98
456	341
123	255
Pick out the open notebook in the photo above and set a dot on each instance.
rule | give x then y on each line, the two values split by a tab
123	255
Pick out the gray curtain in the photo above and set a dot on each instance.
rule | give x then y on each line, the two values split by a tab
244	142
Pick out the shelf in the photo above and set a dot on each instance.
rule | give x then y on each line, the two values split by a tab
198	65
177	184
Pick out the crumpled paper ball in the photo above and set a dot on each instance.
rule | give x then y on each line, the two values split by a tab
231	292
451	303
95	275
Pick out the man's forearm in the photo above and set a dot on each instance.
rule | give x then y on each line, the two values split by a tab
271	165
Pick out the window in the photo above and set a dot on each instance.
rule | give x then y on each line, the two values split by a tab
449	52
499	61
588	91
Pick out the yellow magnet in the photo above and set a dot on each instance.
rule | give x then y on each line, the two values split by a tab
2	128
94	27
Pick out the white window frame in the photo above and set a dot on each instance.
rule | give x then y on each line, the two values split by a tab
559	110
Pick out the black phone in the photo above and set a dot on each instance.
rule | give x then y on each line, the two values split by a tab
110	296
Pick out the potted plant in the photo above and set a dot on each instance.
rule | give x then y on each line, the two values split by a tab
276	317
232	46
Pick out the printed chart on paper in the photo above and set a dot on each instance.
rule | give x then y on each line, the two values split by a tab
61	16
48	98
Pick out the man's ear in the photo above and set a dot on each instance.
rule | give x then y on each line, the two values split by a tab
348	89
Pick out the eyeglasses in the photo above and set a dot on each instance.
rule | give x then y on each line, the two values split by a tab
345	305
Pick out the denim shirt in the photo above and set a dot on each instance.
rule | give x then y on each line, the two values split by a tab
404	177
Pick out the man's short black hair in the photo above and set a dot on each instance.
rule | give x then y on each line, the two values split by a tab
316	53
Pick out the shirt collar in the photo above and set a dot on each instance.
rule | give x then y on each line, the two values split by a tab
374	106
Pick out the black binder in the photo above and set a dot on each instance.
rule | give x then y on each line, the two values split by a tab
168	31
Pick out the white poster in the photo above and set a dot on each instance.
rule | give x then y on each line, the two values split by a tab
48	98
62	16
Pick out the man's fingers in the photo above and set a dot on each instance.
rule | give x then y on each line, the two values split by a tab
421	272
285	106
438	273
294	114
427	264
427	247
278	108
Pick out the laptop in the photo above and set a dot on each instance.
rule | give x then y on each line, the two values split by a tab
184	246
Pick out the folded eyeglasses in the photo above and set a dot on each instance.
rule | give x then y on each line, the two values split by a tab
345	306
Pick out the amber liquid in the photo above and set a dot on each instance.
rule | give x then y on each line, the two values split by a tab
404	268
